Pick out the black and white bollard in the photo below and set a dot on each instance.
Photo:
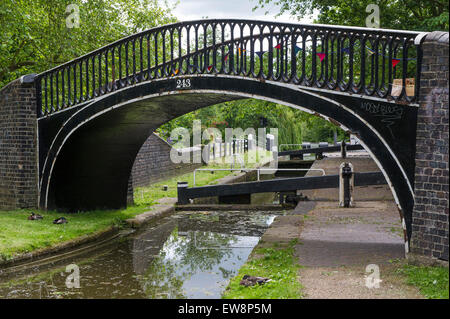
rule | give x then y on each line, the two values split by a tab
182	196
346	185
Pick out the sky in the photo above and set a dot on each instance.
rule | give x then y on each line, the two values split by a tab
239	9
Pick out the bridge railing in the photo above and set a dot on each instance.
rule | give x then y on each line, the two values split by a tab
354	60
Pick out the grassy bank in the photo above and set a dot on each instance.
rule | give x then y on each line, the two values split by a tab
432	281
277	263
19	235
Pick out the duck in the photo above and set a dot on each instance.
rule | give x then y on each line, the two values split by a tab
248	280
59	221
34	216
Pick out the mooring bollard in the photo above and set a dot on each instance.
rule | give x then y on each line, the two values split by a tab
181	191
346	184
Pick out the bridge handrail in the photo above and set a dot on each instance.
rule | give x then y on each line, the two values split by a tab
192	22
170	45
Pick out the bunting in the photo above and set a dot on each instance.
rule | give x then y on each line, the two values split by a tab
278	46
370	51
321	56
395	62
209	68
346	50
175	72
297	49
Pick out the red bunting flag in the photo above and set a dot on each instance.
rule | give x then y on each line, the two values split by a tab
395	62
321	56
209	68
278	46
226	57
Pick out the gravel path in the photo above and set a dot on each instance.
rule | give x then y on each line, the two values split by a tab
336	245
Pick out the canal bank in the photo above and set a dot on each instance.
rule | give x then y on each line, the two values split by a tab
331	248
182	255
23	241
320	251
274	257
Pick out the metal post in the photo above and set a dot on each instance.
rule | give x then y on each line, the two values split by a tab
343	149
346	184
181	187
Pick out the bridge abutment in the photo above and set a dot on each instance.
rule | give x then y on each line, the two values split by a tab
431	207
18	145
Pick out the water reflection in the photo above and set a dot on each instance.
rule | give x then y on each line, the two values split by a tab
187	255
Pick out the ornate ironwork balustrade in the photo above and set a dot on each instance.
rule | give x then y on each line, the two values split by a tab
368	62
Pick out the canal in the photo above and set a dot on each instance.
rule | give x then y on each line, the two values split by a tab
185	255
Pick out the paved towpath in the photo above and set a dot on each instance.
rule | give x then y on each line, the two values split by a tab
336	245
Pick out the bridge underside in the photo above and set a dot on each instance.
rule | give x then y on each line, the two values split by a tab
93	169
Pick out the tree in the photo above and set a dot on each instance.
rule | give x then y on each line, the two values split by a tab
420	15
35	36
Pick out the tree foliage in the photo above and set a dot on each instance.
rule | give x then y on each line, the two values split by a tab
430	15
35	36
294	126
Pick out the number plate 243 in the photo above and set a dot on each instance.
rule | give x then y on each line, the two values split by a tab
183	84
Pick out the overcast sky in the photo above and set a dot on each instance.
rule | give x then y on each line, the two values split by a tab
239	9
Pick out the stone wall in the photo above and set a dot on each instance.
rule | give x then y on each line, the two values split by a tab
430	214
153	163
18	145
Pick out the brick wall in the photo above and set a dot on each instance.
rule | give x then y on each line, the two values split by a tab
430	214
18	145
153	163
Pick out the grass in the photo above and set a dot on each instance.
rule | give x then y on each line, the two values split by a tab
148	195
19	235
277	263
432	281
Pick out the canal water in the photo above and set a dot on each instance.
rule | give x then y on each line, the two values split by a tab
185	255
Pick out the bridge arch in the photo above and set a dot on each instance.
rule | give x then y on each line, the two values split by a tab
90	157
